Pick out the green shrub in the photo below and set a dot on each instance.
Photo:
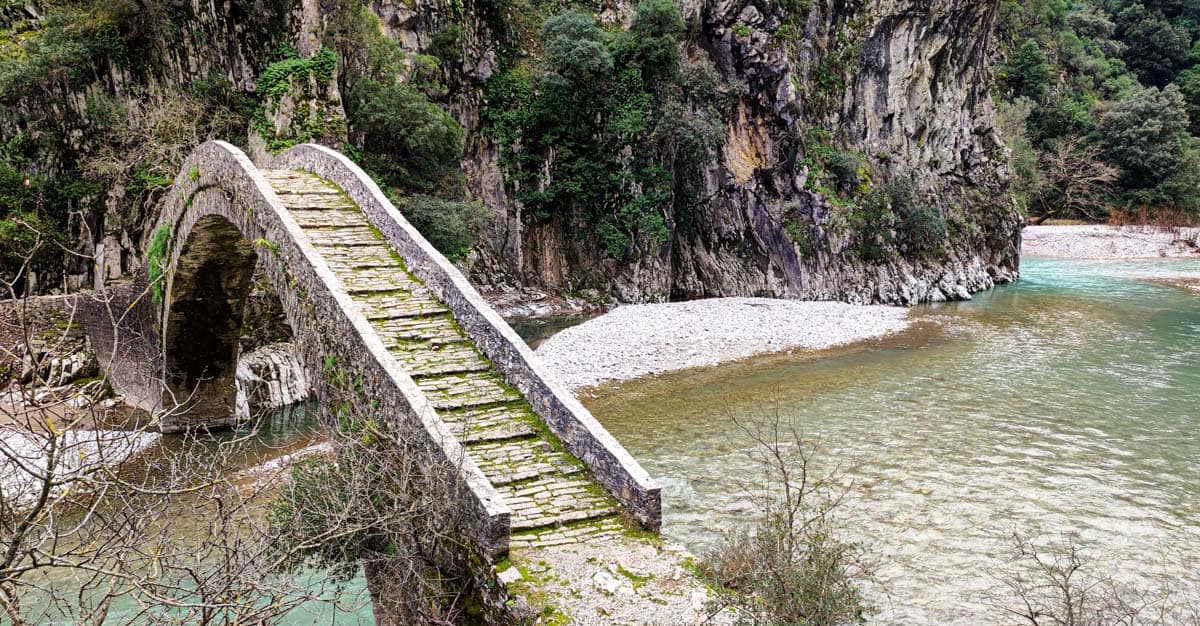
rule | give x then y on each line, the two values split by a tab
307	75
847	170
451	226
402	136
574	46
1029	74
923	228
158	254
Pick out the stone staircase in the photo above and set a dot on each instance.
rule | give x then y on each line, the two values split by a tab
552	497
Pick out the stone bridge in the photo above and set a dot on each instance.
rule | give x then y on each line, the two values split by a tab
365	292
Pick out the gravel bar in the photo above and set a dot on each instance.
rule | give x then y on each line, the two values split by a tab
645	339
1101	242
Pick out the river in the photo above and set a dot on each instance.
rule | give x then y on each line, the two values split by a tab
1064	406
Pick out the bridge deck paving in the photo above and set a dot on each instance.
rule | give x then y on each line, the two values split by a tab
377	280
341	237
405	303
348	259
433	329
570	533
326	218
513	461
457	390
444	358
317	202
482	424
553	500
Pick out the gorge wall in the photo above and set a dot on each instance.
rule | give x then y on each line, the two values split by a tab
821	149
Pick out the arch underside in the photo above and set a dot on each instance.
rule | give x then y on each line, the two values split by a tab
207	298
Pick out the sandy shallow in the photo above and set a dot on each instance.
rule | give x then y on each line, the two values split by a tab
641	340
1102	242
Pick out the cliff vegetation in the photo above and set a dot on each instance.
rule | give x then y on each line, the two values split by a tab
1101	106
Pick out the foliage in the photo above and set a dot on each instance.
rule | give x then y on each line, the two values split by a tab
1106	84
1157	48
158	253
450	225
923	228
68	50
401	136
574	47
1146	134
309	76
1029	74
610	137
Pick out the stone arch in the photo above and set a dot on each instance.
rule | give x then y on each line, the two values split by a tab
202	322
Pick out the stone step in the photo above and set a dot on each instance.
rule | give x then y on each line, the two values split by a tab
590	530
398	305
299	183
436	329
521	459
327	218
309	201
555	501
452	391
359	257
378	280
430	359
491	423
342	237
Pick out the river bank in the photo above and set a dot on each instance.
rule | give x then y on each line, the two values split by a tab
1104	242
646	339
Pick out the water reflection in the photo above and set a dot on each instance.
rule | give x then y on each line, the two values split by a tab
1065	404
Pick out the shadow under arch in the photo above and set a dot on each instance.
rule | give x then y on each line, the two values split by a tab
203	318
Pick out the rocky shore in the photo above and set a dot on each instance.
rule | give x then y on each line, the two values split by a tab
641	340
1103	242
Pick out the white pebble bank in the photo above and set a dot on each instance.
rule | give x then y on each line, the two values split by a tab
640	340
1107	242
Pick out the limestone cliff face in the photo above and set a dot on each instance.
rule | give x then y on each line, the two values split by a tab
904	83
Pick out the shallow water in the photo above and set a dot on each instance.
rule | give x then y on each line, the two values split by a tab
1066	405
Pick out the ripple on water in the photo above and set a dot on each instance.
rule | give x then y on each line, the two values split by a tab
1065	404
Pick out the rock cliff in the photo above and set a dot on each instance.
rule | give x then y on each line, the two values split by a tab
855	155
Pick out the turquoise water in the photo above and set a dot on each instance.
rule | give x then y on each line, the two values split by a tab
1066	406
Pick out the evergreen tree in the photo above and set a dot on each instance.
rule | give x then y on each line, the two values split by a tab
1158	49
1029	74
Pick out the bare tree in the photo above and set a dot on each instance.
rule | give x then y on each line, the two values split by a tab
1076	182
789	566
1051	582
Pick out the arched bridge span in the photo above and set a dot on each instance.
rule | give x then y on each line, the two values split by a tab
363	289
